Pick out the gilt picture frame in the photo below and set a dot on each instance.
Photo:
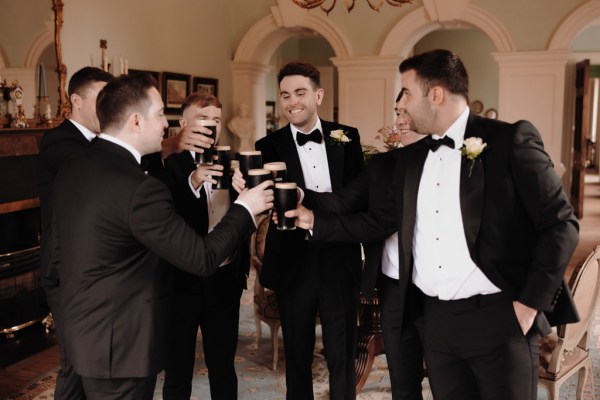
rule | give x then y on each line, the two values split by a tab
176	87
210	85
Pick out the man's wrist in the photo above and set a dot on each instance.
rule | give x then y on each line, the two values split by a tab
247	207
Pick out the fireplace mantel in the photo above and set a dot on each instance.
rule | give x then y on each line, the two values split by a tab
18	168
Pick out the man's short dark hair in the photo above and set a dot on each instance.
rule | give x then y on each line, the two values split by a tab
122	96
303	69
200	99
82	79
439	68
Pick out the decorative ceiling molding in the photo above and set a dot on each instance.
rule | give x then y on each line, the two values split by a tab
265	36
586	15
418	23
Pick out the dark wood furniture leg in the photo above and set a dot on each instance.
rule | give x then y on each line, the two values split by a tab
370	339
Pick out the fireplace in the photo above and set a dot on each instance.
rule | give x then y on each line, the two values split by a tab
22	301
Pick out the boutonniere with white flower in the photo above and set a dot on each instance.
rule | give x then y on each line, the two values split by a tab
339	137
472	149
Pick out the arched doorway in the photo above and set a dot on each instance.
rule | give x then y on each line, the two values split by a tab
577	35
252	60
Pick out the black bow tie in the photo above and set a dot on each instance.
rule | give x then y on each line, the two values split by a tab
435	144
314	136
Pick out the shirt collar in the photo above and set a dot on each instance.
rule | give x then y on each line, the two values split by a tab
296	130
89	135
457	129
123	144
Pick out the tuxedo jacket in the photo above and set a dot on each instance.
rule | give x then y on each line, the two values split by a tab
368	190
194	210
112	225
286	251
519	227
57	145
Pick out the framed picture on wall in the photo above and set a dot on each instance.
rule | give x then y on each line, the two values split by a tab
173	128
209	85
154	74
176	87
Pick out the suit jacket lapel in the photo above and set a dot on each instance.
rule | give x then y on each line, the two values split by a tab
289	153
79	136
472	185
335	156
408	176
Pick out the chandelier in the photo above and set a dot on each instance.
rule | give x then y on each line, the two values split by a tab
308	4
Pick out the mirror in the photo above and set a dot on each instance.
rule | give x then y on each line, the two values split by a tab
35	39
64	108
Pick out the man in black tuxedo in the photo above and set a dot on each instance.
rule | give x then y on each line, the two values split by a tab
485	235
72	137
310	277
212	302
112	226
403	349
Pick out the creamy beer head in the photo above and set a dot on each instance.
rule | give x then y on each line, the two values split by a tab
275	166
259	171
286	185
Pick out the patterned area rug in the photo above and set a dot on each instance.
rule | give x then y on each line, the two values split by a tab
257	381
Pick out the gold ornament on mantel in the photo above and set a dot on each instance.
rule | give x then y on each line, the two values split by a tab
375	5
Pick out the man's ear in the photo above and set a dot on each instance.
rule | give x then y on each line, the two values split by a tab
320	95
134	122
437	94
76	101
182	122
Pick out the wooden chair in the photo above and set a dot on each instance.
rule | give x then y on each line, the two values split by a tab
265	302
566	352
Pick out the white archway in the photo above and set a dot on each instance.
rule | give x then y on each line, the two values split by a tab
38	46
414	26
252	56
584	16
581	18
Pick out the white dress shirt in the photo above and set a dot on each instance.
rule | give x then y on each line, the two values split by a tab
390	257
443	266
89	135
313	159
121	143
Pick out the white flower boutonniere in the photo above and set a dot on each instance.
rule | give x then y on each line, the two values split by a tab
472	149
338	138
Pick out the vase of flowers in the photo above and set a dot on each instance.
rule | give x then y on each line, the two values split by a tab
389	136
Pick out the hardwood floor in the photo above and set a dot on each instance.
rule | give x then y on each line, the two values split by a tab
18	375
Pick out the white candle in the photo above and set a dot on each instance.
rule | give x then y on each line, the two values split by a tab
39	81
126	67
43	74
121	66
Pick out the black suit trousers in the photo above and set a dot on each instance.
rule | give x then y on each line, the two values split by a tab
335	299
402	342
119	388
475	350
218	320
68	383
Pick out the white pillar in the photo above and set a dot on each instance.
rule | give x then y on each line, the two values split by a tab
249	87
532	87
367	89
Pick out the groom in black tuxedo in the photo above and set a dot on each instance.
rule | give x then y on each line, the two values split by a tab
308	277
485	234
112	227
